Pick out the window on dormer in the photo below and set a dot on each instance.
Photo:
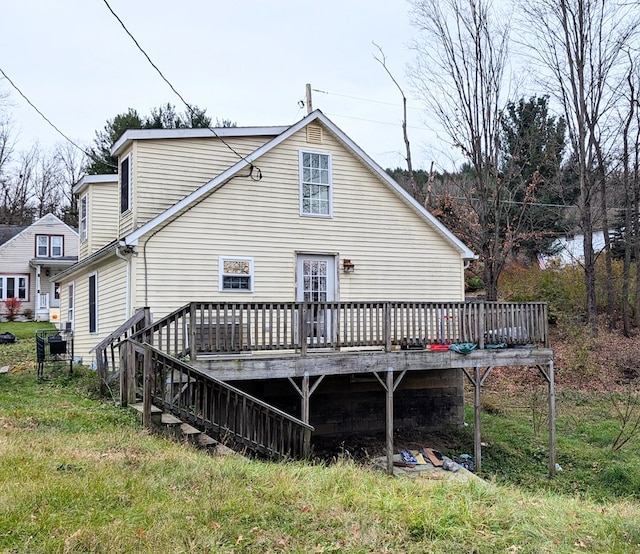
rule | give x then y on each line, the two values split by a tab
83	217
125	185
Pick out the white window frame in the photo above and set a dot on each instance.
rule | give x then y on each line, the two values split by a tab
70	302
42	243
53	246
128	160
84	217
310	182
48	245
222	274
16	287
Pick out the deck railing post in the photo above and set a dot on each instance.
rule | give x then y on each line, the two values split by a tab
124	386
146	387
481	325
387	326
303	310
193	351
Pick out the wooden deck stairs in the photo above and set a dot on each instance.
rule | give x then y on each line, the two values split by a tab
170	426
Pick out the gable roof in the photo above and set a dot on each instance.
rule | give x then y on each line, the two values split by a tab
23	230
175	211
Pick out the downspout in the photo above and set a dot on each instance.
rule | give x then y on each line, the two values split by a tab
127	293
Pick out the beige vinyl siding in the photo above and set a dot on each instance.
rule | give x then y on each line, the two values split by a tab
397	254
102	221
103	226
16	254
111	305
168	170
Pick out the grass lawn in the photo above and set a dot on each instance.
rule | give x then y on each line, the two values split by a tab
80	475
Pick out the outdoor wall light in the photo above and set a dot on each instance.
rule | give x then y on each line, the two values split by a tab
348	266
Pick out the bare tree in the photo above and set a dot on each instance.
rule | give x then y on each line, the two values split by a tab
382	60
461	57
580	44
70	163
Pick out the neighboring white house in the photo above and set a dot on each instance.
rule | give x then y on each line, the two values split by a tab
30	260
571	249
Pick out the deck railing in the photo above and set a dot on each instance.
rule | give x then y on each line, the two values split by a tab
228	328
222	410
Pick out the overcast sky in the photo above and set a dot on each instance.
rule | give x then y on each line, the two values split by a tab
245	60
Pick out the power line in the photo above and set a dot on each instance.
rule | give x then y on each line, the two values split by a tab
378	122
88	154
364	99
189	108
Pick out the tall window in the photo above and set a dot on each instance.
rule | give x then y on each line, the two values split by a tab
83	217
315	184
70	304
14	286
125	185
236	274
93	303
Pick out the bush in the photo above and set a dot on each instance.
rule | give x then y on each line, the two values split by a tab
12	306
28	314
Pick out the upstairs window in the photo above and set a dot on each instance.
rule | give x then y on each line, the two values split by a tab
236	274
42	246
125	185
49	246
83	218
315	184
56	246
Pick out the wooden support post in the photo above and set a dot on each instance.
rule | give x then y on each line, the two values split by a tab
305	398
477	444
477	380
552	421
305	392
389	387
146	387
549	376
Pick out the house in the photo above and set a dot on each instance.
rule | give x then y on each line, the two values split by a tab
31	257
277	259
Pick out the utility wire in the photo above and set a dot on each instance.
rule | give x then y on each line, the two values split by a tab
365	99
189	108
85	152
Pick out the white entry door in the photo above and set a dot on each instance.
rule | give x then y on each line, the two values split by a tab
316	283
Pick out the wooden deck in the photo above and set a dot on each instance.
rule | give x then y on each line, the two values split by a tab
203	346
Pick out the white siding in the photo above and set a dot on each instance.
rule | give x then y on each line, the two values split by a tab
16	253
